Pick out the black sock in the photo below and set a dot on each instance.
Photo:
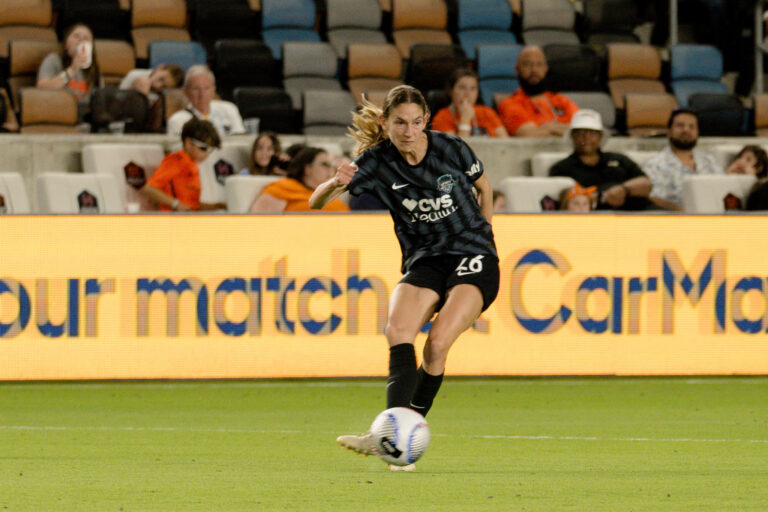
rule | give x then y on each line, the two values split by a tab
402	375
426	391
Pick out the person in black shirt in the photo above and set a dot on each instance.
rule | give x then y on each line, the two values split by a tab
427	180
621	184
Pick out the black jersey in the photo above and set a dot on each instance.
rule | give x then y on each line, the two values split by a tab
432	203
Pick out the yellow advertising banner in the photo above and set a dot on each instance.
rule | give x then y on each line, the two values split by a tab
171	296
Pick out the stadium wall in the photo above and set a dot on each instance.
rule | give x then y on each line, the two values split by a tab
225	296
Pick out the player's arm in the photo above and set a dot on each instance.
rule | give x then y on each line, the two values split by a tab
485	191
333	188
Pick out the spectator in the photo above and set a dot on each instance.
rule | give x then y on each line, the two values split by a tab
578	199
620	183
667	168
533	111
752	160
152	82
267	158
308	169
175	184
75	67
200	88
463	116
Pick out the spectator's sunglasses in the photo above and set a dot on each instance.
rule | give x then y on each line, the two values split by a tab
202	146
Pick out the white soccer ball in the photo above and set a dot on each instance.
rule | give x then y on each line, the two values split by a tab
401	435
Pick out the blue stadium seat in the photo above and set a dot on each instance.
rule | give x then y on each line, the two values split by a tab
496	70
695	68
287	20
184	54
484	22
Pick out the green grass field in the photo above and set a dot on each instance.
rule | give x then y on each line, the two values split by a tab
592	444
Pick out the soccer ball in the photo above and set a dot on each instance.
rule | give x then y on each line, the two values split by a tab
401	435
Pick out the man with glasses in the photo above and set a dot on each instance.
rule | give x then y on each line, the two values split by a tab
175	185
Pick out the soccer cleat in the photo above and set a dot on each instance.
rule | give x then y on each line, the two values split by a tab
359	444
409	467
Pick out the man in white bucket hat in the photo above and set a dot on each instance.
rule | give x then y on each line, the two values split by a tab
621	184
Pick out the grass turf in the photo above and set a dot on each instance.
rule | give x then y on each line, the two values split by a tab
589	444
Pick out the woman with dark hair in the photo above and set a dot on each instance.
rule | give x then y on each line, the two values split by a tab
74	68
753	160
266	156
463	116
427	180
308	169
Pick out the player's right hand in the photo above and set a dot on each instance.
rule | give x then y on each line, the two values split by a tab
345	172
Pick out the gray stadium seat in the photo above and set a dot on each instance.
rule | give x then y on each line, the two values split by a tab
525	193
308	66
707	194
549	21
353	21
78	193
13	195
327	112
241	191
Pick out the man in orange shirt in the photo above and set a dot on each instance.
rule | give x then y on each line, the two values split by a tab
532	111
175	184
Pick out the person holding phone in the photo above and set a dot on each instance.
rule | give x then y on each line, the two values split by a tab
267	157
74	68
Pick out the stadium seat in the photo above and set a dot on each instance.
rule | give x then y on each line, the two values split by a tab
242	63
222	19
638	156
633	68
105	18
760	103
182	53
695	68
716	193
13	194
328	112
431	65
309	66
157	20
720	115
611	21
129	164
543	161
25	59
111	105
572	67
419	22
271	105
47	110
599	101
219	167
549	21
496	70
25	19
373	66
353	21
484	22
78	193
529	194
376	96
242	191
287	20
647	114
115	59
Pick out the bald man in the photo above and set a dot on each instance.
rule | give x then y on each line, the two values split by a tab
533	111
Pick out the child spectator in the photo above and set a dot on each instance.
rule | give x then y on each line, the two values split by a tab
75	68
579	199
175	184
464	117
152	82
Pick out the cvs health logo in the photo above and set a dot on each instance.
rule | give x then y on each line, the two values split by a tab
430	209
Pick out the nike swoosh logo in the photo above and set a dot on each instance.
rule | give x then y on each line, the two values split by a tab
395	186
466	273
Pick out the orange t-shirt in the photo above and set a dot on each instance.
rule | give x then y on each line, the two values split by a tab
177	175
485	117
520	109
296	195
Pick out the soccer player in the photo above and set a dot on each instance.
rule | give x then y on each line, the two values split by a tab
426	180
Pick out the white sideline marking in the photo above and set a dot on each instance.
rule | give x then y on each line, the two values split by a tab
470	436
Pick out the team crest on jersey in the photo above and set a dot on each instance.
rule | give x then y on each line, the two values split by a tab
445	183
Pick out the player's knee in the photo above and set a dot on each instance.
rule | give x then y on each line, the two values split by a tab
398	332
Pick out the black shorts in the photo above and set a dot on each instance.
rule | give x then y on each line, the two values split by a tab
441	273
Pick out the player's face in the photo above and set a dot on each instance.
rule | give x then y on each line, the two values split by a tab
405	125
465	89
